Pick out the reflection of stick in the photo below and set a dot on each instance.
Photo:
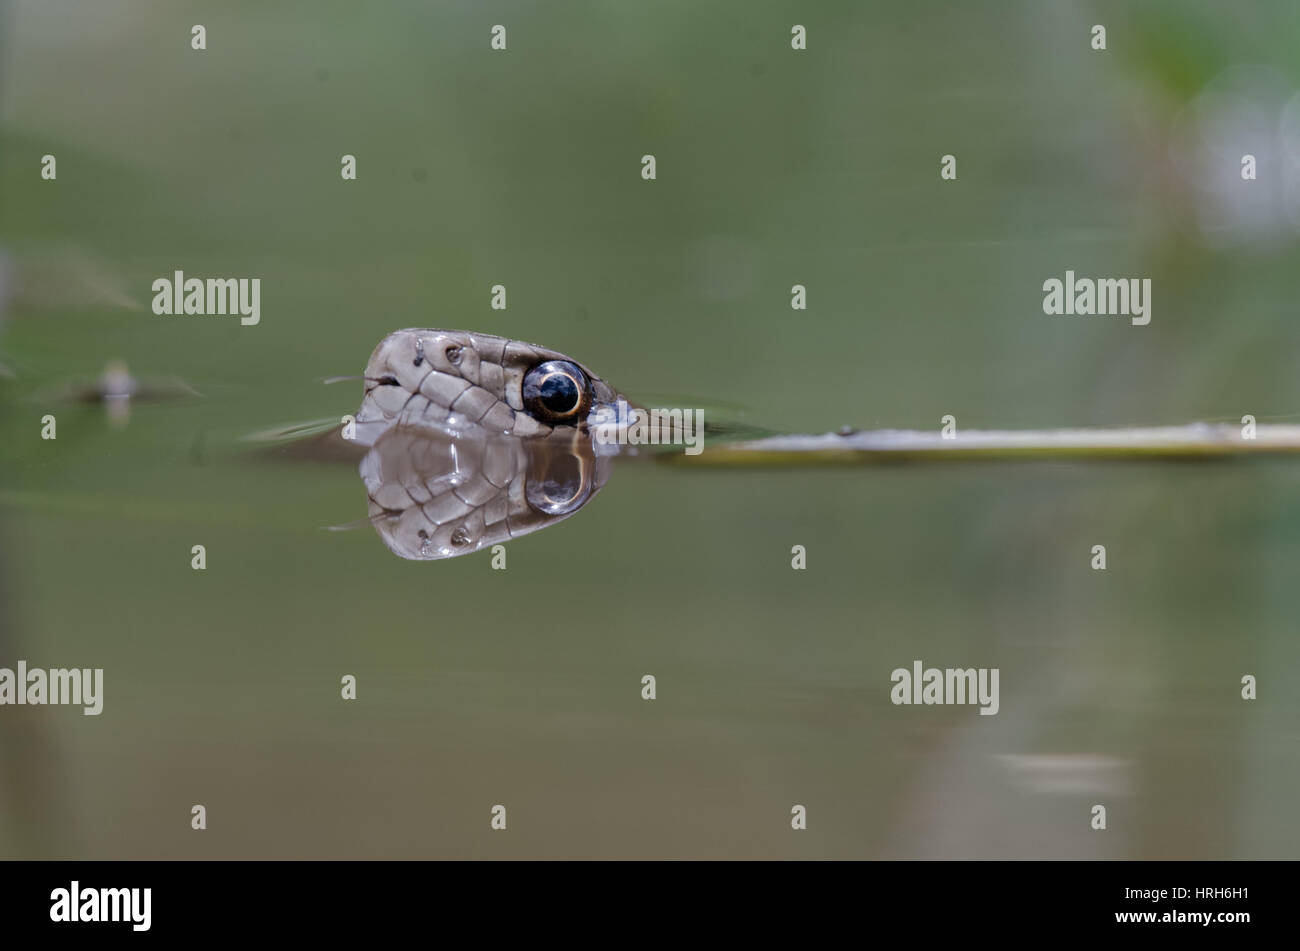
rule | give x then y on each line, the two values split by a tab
1193	441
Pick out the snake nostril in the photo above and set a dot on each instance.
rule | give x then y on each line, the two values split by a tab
419	352
454	354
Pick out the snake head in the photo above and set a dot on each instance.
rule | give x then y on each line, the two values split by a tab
475	440
456	380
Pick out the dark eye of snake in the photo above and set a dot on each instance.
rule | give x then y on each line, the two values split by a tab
557	392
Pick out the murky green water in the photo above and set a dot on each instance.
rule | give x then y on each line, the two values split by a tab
523	687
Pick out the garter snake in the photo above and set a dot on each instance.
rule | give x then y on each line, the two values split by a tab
475	439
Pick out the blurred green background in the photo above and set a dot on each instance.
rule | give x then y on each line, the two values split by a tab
775	167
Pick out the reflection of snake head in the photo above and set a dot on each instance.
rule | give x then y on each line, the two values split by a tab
459	379
436	493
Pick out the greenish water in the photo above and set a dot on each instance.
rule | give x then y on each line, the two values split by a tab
523	687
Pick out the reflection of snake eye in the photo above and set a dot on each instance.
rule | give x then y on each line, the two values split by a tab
557	484
557	392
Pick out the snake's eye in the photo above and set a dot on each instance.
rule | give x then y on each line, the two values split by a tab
557	392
